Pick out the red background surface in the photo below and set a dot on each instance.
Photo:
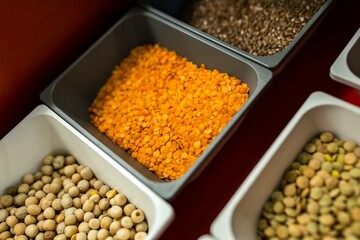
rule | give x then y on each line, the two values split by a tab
39	39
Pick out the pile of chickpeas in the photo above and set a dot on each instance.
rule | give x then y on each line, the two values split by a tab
65	200
319	195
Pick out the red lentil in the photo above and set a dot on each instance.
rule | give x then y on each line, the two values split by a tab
164	110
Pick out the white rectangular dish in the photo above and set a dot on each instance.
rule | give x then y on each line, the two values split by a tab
320	112
43	132
346	68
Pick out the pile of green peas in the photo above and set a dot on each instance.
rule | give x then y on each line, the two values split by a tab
65	200
318	196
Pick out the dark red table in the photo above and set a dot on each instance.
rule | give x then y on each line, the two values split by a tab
39	40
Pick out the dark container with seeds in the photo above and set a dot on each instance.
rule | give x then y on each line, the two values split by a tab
73	92
266	32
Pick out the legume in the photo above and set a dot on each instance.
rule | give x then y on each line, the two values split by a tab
322	195
165	110
70	214
259	27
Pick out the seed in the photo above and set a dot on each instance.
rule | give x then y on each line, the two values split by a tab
126	222
123	234
278	207
350	158
115	212
302	182
128	208
326	137
345	188
290	190
6	200
31	230
137	216
140	236
355	213
141	226
114	227
332	147
58	162
33	209
86	173
327	219
349	145
70	230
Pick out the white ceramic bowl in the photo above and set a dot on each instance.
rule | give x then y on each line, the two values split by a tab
346	68
320	112
43	132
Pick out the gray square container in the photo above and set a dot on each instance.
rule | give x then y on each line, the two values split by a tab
71	94
171	10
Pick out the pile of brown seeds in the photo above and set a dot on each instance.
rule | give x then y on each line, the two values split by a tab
259	27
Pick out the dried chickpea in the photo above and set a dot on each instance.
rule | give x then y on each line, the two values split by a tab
115	212
70	219
137	216
47	170
33	209
140	236
102	234
126	222
70	230
29	219
73	191
60	237
103	190
114	227
58	162
19	228
31	230
49	213
3	214
98	184
49	225
76	178
28	179
128	208
104	204
123	234
88	205
69	170
6	200
23	188
118	200
83	185
88	216
5	235
94	223
84	227
60	228
141	226
208	93
49	235
86	173
21	212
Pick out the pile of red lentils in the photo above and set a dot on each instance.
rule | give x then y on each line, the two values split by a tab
164	110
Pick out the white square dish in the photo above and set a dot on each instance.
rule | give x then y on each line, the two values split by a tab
320	112
43	132
346	68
